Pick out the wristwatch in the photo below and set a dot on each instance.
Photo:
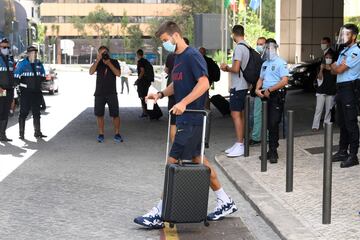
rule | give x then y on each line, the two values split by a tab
161	94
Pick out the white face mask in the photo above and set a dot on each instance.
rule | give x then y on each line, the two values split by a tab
324	46
328	61
5	51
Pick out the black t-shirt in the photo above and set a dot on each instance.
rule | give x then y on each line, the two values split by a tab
328	85
106	79
169	65
148	71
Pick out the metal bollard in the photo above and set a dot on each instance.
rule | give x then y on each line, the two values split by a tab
247	127
264	137
290	152
327	182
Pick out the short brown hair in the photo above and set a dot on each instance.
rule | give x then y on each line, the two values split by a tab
168	27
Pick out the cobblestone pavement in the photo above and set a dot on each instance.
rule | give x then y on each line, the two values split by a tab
302	208
68	186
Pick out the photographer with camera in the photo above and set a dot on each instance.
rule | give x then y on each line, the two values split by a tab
107	70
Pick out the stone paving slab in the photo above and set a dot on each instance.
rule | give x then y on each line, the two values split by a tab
298	215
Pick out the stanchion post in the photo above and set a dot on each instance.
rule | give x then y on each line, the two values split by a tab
247	127
327	181
290	151
264	137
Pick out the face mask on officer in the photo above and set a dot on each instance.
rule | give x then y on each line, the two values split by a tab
32	56
345	37
5	51
270	52
324	46
260	48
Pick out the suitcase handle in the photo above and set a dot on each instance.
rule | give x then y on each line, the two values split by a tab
205	113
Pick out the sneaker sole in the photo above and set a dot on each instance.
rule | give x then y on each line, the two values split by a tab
150	227
222	216
235	156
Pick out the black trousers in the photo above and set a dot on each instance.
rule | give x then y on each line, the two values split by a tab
5	104
346	103
30	101
275	111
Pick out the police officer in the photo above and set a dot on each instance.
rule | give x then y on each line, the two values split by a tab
30	72
6	86
270	88
347	69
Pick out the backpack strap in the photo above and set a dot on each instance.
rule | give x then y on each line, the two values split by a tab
249	48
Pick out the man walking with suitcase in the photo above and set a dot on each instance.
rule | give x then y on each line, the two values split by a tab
190	83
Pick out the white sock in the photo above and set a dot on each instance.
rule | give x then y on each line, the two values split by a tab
239	143
159	206
221	194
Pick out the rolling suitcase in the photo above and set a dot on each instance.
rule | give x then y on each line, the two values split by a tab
156	113
221	104
186	188
208	128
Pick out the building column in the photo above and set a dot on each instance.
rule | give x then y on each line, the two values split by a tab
302	24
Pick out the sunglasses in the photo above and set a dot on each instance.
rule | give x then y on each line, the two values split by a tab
5	47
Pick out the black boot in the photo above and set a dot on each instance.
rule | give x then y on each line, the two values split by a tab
3	126
341	155
352	160
273	156
22	128
38	133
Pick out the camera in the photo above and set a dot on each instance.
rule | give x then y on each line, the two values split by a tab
105	56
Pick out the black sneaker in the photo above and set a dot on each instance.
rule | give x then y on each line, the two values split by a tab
273	156
350	161
340	156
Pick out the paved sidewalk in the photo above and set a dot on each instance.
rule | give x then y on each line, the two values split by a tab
298	215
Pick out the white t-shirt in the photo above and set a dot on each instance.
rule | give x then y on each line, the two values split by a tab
242	54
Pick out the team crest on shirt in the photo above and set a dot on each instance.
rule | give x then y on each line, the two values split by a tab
354	55
273	68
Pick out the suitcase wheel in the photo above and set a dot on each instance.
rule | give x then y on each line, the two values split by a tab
206	223
171	225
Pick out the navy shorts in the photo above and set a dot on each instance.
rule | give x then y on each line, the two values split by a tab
111	101
237	100
187	143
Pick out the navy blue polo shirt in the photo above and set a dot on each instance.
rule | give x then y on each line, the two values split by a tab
189	66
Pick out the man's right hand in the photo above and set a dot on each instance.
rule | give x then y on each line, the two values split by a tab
154	96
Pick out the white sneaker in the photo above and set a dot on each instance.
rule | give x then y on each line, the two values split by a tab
229	150
237	151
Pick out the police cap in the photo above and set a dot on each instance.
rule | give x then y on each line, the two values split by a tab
4	40
31	49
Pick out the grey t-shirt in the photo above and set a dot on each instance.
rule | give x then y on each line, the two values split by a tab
241	53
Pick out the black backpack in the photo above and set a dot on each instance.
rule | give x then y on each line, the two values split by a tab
149	71
252	70
213	70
